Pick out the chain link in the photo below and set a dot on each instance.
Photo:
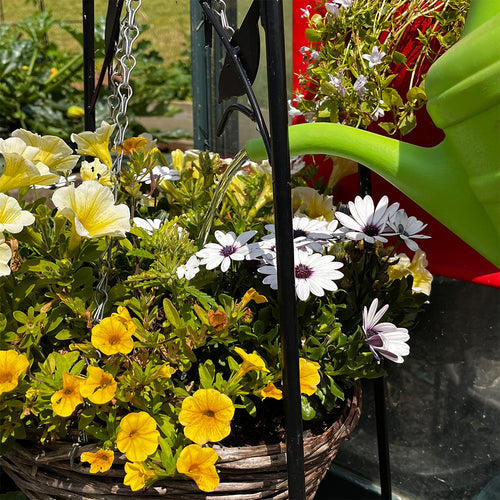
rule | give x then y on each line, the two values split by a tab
219	7
123	63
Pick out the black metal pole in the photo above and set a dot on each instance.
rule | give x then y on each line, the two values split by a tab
384	462
382	440
272	20
88	63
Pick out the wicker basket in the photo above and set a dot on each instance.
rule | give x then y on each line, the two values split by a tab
246	473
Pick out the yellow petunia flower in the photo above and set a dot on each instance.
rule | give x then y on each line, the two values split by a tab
12	218
123	315
65	401
271	391
177	159
91	209
165	371
250	295
12	366
99	386
417	267
199	464
20	172
308	201
138	436
100	461
96	171
309	376
52	150
206	416
95	143
113	336
136	475
250	363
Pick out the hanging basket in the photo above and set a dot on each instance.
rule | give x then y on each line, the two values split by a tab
246	473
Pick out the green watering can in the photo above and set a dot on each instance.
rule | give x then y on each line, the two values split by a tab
457	181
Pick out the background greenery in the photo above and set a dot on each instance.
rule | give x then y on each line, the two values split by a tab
168	21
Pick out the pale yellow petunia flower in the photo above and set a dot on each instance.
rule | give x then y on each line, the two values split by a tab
12	218
91	209
95	143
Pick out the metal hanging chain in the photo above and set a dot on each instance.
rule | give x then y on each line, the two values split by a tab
123	64
219	7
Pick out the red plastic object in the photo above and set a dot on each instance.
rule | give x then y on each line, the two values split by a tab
447	254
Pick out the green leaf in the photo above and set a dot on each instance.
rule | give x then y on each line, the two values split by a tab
408	123
388	127
398	57
141	253
86	417
416	94
308	412
335	389
171	313
207	374
205	300
249	405
312	35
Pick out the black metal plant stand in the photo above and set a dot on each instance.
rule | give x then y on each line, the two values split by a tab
236	79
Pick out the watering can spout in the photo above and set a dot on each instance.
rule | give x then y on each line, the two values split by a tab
458	181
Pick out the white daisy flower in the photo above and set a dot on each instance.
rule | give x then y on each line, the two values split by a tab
190	269
314	273
228	248
160	173
297	163
407	228
148	225
374	58
384	338
366	222
307	232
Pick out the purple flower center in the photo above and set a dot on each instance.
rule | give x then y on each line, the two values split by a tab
228	250
302	272
371	230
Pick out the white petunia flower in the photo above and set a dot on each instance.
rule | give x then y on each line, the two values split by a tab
149	225
190	269
384	338
12	218
374	58
314	273
228	248
367	222
407	228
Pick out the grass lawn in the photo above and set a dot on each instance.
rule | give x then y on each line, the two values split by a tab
168	21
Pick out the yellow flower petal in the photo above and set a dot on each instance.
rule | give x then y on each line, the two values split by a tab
96	171
309	376
53	151
12	218
310	202
271	391
91	209
138	436
95	143
100	461
206	416
252	294
136	475
198	464
99	387
112	336
250	362
65	401
12	366
20	172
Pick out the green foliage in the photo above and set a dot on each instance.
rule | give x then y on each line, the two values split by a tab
335	62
